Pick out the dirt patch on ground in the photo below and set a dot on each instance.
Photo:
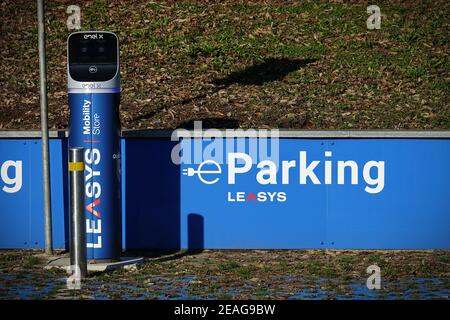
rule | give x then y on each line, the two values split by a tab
262	64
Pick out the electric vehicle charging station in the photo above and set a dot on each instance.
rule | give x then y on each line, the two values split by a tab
94	97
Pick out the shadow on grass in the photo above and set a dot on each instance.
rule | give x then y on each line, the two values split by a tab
272	69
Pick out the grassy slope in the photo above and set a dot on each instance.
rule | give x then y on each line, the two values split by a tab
393	78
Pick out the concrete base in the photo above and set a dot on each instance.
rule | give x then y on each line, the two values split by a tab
97	266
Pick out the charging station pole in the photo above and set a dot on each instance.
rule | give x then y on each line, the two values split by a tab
94	96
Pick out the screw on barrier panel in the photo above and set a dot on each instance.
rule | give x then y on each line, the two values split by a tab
78	258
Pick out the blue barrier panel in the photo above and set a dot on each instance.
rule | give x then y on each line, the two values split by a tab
413	209
152	195
21	197
400	201
339	193
298	222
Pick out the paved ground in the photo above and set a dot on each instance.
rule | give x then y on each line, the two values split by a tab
237	274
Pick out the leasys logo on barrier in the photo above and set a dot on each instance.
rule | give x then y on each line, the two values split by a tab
260	169
209	171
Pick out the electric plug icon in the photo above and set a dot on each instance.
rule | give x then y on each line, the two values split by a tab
190	172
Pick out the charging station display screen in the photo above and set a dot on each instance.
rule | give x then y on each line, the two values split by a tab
93	56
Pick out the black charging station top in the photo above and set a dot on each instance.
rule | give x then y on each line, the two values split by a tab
93	56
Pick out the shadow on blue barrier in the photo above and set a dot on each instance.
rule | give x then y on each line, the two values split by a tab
196	242
152	195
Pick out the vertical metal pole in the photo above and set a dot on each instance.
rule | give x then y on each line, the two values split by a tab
77	224
44	129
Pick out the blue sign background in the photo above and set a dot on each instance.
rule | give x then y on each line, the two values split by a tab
164	209
411	212
21	213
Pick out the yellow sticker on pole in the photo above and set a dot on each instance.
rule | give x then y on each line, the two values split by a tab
76	166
